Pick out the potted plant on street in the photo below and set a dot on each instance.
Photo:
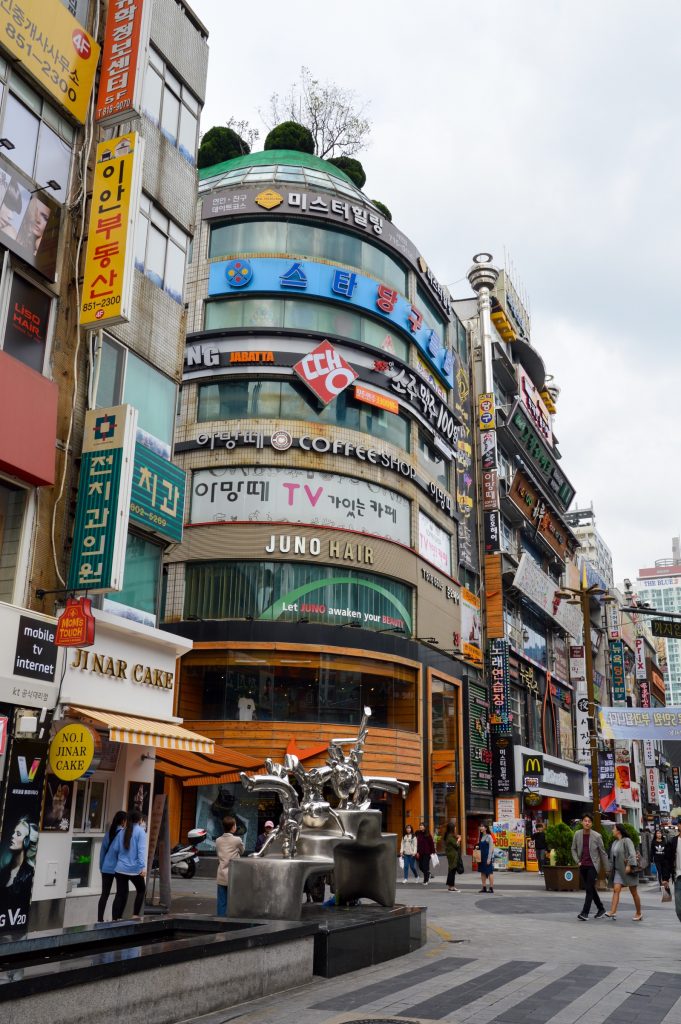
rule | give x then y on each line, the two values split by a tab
562	875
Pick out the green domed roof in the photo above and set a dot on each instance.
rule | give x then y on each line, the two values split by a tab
270	158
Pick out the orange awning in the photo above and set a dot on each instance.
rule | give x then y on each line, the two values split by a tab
147	733
222	765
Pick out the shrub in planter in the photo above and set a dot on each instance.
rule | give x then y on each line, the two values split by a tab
559	838
352	168
290	135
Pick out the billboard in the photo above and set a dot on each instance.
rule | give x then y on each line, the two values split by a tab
109	258
29	221
435	544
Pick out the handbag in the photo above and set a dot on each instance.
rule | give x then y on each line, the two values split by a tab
477	855
459	867
434	860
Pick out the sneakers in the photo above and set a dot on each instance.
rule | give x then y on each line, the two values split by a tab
452	888
582	917
490	890
426	882
600	913
404	881
481	890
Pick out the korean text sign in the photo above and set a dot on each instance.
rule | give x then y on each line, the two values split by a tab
125	43
103	509
157	500
53	48
109	260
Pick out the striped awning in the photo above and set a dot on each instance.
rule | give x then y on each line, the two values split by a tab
145	732
222	765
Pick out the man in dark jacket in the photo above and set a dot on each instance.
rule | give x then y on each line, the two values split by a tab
540	845
671	868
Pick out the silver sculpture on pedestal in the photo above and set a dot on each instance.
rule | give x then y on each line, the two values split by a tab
312	837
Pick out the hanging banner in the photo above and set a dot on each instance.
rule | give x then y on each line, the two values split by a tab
583	751
578	667
19	835
653	781
640	654
500	710
619	689
641	723
103	509
110	254
676	776
470	627
613	620
663	794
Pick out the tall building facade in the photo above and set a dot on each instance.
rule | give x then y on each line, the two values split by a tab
98	184
660	586
329	560
592	547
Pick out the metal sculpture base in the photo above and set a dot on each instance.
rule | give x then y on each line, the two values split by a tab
364	863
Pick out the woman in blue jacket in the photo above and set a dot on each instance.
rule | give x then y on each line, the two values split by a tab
108	855
131	865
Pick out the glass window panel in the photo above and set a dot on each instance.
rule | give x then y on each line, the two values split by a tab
187	135
433	461
21	127
110	371
430	315
170	115
297	403
379	336
12	509
156	256
138	599
174	279
3	67
153	395
96	806
141	240
30	97
156	60
54	161
189	100
145	203
158	218
151	95
172	81
290	174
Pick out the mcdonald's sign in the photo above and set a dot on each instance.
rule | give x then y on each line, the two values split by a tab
533	765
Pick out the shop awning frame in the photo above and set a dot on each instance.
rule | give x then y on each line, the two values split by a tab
146	732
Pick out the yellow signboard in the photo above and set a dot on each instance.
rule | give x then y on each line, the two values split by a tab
109	260
54	48
72	751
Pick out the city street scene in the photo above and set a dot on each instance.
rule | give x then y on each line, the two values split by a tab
340	533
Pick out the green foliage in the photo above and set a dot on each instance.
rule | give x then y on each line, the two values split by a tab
559	838
632	832
383	208
351	167
290	135
220	143
607	836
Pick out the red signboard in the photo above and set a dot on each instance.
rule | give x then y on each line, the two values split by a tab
325	372
76	624
125	41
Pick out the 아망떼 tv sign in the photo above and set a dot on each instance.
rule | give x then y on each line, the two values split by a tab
103	509
109	260
325	372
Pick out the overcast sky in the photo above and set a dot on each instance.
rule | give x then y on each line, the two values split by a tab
545	132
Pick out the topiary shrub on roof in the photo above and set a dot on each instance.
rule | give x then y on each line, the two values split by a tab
290	135
220	143
351	167
383	208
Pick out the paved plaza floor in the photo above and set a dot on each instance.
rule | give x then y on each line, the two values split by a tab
519	956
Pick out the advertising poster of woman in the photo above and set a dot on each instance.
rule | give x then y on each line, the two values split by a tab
19	834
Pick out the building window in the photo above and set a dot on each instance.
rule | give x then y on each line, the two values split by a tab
431	317
273	399
289	686
445	715
43	140
160	249
171	106
518	725
323	318
433	461
139	598
123	377
12	511
317	243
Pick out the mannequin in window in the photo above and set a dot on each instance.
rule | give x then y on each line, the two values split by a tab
246	706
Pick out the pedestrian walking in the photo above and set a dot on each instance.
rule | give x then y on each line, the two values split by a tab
408	852
486	866
540	846
425	848
227	848
672	866
131	865
624	871
589	852
657	854
108	855
452	844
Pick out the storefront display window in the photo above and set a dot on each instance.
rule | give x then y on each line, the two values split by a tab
297	687
80	863
90	809
287	400
26	326
318	243
323	318
12	509
445	715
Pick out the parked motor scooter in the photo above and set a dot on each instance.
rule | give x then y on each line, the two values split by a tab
183	859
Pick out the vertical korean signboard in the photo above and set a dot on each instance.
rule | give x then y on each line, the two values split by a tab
103	509
126	39
500	712
54	49
109	260
619	690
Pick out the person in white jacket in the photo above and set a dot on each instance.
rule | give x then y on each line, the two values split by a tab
408	854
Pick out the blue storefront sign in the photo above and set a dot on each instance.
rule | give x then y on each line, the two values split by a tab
320	280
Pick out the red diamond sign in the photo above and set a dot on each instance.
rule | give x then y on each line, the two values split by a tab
325	372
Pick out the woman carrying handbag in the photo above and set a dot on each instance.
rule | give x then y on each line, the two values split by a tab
624	872
452	843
